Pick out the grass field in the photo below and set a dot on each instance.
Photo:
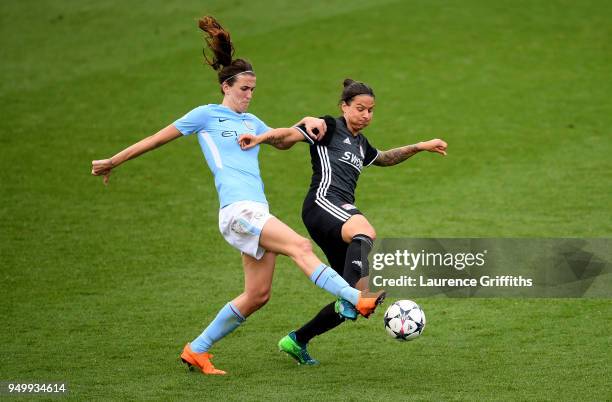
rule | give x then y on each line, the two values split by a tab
101	287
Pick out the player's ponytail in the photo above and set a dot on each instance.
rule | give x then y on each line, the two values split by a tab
354	88
218	40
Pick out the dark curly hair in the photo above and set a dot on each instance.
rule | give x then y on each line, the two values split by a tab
218	40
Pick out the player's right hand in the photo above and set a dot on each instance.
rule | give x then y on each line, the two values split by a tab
248	141
102	167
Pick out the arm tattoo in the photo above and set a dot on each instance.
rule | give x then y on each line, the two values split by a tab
274	140
395	155
280	138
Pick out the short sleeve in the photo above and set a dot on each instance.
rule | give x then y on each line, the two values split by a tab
193	121
330	122
260	126
370	153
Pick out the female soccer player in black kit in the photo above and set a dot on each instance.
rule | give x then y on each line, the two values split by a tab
329	213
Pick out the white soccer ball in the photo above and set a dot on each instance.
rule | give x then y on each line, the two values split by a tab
404	320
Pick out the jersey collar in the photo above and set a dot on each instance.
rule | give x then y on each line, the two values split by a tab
343	120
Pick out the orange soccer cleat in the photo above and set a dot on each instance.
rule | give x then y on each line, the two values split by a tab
368	302
199	360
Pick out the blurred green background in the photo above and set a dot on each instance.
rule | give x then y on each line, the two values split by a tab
102	286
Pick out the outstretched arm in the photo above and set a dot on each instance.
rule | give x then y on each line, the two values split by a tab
398	155
103	167
281	138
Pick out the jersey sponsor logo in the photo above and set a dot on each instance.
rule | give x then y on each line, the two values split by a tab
348	207
248	124
347	141
352	160
229	134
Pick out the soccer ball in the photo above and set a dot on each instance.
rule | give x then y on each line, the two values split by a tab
404	320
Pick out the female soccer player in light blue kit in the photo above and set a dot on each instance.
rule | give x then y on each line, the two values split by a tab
244	219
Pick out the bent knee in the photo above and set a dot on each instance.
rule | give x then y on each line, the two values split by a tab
263	298
370	232
366	231
259	298
355	226
301	247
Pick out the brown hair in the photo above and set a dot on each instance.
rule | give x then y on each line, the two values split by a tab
354	88
219	42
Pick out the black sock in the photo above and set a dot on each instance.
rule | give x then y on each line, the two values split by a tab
356	265
355	268
325	320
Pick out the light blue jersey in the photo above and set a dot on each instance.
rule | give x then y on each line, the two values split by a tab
236	172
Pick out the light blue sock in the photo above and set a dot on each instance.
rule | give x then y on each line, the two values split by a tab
326	278
227	320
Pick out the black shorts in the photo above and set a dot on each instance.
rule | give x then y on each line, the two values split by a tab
324	219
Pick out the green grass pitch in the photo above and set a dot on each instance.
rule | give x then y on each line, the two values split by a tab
101	287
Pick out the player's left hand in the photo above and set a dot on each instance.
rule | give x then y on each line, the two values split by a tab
315	127
435	145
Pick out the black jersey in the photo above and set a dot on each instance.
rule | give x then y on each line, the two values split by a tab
337	161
